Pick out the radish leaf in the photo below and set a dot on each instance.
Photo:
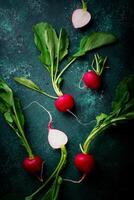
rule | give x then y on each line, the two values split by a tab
122	109
63	43
93	41
30	84
11	110
124	95
54	47
52	193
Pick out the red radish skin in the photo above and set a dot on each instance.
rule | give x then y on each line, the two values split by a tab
33	165
64	103
84	162
92	80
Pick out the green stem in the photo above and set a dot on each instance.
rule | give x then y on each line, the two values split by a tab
97	130
58	51
46	94
98	64
23	138
55	173
63	160
91	137
64	69
84	5
56	89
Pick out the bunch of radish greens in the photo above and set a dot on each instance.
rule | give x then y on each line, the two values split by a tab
54	49
11	109
122	110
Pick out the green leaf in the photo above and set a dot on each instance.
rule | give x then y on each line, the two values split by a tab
27	83
51	42
124	98
30	84
8	117
39	39
6	93
53	192
46	41
59	82
3	107
93	41
13	114
19	112
100	118
63	43
10	106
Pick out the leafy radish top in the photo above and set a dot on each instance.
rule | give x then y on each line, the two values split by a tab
92	78
11	110
57	140
53	49
122	110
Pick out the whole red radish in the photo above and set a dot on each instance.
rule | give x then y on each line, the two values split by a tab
92	78
64	103
84	162
33	165
81	17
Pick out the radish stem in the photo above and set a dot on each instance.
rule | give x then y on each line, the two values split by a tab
46	94
84	5
55	172
23	138
98	130
64	69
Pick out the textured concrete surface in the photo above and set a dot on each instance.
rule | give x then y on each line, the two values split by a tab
19	57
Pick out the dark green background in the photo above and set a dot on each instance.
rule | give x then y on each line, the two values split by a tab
18	57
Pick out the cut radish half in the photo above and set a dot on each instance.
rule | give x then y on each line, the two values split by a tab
57	138
80	18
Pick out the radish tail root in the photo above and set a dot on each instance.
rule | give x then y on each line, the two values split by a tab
36	102
78	119
76	182
80	84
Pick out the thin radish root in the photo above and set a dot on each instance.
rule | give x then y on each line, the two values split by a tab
56	138
78	120
50	116
40	178
76	182
80	82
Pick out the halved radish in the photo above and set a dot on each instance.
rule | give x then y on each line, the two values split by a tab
81	17
56	138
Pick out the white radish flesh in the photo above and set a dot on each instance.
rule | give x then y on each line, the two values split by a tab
80	18
56	138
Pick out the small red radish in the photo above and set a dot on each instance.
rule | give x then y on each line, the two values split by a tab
81	17
64	103
92	78
84	162
33	165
